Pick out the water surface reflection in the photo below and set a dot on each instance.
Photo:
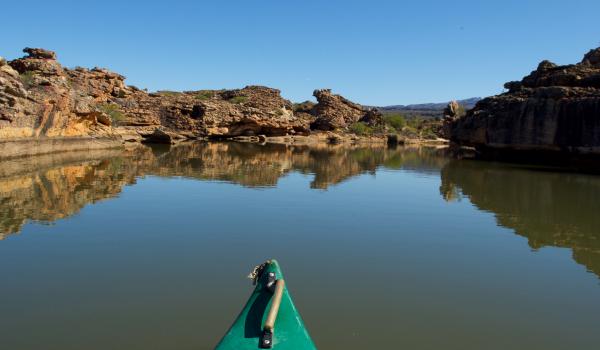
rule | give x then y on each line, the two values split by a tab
52	187
137	269
549	208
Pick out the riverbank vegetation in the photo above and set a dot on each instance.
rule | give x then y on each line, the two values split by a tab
414	127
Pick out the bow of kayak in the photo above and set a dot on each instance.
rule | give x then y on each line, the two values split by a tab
269	319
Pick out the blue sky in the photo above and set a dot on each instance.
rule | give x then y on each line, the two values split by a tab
373	52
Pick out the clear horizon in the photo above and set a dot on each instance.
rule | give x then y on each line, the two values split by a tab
378	53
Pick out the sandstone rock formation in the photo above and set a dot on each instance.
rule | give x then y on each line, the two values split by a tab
336	112
253	110
37	99
554	109
43	101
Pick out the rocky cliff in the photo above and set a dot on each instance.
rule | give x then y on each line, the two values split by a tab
555	109
64	109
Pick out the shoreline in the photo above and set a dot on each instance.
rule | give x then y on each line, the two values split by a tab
25	147
16	148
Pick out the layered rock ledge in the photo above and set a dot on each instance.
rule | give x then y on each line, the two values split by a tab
554	110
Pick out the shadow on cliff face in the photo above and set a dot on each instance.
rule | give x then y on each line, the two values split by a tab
548	208
55	186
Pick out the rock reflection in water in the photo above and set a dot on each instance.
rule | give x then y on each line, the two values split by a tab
51	187
546	207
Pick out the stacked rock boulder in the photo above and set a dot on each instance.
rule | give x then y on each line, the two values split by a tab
336	112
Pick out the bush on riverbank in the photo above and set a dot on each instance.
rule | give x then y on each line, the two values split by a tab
361	129
113	111
395	121
413	127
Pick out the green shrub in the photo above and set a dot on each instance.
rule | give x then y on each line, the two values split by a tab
27	78
415	122
113	111
305	107
361	129
238	99
428	133
395	121
205	95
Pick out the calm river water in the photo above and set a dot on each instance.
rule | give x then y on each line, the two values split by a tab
382	248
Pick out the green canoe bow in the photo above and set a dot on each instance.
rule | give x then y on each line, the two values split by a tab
247	330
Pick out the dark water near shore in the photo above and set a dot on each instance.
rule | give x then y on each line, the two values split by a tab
382	248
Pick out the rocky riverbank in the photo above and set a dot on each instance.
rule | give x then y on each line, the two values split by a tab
554	111
45	107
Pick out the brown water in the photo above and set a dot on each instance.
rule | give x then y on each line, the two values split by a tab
382	248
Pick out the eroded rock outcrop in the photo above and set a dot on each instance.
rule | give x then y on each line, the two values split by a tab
43	101
336	112
253	110
554	109
40	99
37	100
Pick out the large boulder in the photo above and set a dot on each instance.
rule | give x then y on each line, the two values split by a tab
592	57
334	111
555	109
40	53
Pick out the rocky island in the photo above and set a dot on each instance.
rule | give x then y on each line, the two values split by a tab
553	111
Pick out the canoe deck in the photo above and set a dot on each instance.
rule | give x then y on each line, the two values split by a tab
247	330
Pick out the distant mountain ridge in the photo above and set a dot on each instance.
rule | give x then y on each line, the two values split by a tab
431	110
468	103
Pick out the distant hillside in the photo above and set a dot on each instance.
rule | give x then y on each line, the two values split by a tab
428	110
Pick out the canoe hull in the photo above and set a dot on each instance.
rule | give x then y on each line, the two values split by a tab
247	330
